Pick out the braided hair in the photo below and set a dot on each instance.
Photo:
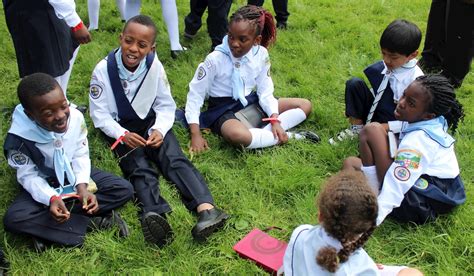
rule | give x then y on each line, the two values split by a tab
348	209
443	100
261	19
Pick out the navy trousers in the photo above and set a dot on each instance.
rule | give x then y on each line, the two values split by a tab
27	216
173	165
280	7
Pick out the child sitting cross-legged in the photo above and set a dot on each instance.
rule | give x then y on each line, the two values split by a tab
236	75
422	178
131	102
47	145
347	215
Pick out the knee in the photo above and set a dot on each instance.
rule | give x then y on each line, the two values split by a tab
306	106
369	130
352	163
12	217
353	82
237	136
410	272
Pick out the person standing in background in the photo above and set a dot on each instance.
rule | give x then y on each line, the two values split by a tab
281	11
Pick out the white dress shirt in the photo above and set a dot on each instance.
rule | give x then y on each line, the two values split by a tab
66	9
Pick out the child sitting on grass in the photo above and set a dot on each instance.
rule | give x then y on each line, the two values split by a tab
347	216
422	180
389	78
236	75
131	102
47	145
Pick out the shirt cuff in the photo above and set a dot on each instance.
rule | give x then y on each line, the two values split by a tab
72	20
395	126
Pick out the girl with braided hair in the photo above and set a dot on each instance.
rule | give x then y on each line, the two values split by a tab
236	75
422	178
347	217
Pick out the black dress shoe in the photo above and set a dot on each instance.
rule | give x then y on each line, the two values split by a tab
40	245
108	222
281	25
208	222
176	53
82	108
311	136
156	229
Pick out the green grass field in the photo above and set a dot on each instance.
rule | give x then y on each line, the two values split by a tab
326	43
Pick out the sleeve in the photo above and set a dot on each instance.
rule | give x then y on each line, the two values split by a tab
288	257
99	108
28	177
164	105
412	159
395	126
66	9
81	163
198	89
265	88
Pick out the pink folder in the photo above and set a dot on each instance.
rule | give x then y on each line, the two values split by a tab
263	249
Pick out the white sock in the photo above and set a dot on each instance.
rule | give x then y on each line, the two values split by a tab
121	8
289	119
132	8
63	80
170	14
261	138
371	174
93	7
295	136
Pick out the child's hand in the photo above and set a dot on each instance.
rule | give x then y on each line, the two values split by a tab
198	144
279	133
155	139
88	199
134	140
82	35
58	210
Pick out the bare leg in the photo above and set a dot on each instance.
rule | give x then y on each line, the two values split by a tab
352	163
374	148
236	133
285	104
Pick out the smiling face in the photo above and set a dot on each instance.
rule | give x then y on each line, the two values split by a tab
50	110
413	105
136	42
242	36
395	60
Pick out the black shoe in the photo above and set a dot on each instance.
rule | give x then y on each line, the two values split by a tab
282	25
156	229
82	109
176	53
40	245
189	35
108	222
309	135
208	222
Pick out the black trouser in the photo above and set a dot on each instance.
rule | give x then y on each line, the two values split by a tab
217	24
27	216
359	100
280	7
449	41
173	165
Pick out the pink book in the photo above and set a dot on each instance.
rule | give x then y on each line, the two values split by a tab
263	249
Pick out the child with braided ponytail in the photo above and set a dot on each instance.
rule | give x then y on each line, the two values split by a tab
236	75
422	180
347	217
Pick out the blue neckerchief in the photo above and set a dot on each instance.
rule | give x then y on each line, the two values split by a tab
29	130
124	73
238	85
435	128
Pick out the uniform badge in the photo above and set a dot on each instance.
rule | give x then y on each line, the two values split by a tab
408	158
19	159
401	173
421	184
201	73
95	91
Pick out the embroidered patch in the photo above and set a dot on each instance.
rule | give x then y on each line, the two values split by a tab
401	173
201	73
421	184
19	159
95	91
408	158
208	64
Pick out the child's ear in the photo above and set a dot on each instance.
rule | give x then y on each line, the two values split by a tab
257	40
28	113
413	55
153	47
120	37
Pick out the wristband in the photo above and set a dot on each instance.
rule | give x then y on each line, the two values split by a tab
119	140
77	27
272	120
54	198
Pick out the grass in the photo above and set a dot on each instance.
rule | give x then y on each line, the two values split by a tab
326	43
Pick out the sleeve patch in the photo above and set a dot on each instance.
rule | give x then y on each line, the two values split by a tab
95	91
201	73
19	159
401	173
408	158
421	184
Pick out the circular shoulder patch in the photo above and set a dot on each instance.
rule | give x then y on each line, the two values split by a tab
201	73
421	184
95	91
401	173
18	159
